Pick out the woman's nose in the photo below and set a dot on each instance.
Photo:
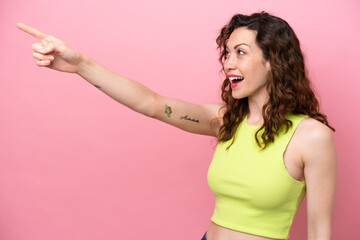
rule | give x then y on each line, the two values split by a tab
229	63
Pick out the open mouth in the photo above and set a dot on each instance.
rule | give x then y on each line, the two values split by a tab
235	80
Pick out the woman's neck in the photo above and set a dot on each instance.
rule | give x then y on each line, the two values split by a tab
256	105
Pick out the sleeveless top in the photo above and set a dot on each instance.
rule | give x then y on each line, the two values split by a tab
254	192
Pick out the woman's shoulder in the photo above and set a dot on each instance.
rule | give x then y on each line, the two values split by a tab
315	137
313	128
309	130
308	125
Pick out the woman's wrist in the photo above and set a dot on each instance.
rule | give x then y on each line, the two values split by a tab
83	64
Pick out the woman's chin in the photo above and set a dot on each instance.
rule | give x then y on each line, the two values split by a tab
237	96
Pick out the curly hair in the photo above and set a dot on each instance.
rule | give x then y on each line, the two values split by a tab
288	86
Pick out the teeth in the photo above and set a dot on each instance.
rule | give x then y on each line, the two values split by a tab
237	78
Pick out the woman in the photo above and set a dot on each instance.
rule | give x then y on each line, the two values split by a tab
274	144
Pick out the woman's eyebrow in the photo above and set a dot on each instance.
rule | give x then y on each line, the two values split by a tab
237	45
240	45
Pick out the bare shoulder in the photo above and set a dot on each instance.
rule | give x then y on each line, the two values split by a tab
316	140
313	128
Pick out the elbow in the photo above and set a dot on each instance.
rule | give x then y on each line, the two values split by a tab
324	235
148	108
320	238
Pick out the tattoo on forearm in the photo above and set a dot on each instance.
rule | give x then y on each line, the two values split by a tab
190	119
97	86
168	110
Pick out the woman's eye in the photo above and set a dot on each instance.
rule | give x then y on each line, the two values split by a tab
240	52
226	54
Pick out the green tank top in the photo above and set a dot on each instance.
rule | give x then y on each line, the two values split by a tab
254	191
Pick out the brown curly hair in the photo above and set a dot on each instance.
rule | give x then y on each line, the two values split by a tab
288	86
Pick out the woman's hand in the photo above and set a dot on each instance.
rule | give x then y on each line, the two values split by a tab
52	52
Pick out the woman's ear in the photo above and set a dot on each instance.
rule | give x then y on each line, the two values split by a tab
268	66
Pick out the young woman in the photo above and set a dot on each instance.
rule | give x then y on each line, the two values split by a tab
274	144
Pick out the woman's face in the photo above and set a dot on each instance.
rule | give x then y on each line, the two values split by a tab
245	66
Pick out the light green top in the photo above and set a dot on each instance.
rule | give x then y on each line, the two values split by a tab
254	192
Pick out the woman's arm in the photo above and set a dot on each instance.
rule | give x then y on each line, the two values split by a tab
320	160
56	54
200	119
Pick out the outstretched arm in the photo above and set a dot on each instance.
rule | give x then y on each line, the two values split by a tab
200	119
56	54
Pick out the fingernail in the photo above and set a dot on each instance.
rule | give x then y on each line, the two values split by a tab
51	58
43	50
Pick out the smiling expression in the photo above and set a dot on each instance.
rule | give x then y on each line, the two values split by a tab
245	66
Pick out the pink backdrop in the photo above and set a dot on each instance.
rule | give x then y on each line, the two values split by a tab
74	164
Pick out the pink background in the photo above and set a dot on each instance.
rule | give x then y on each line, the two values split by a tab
74	164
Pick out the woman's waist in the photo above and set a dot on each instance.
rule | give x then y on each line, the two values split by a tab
217	232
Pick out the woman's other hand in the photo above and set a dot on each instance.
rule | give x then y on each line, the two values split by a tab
52	52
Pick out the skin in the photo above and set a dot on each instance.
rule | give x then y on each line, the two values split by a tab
310	156
246	60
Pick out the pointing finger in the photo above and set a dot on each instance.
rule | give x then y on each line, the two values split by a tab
32	31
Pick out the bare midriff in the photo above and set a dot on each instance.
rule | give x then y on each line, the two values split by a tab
216	232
